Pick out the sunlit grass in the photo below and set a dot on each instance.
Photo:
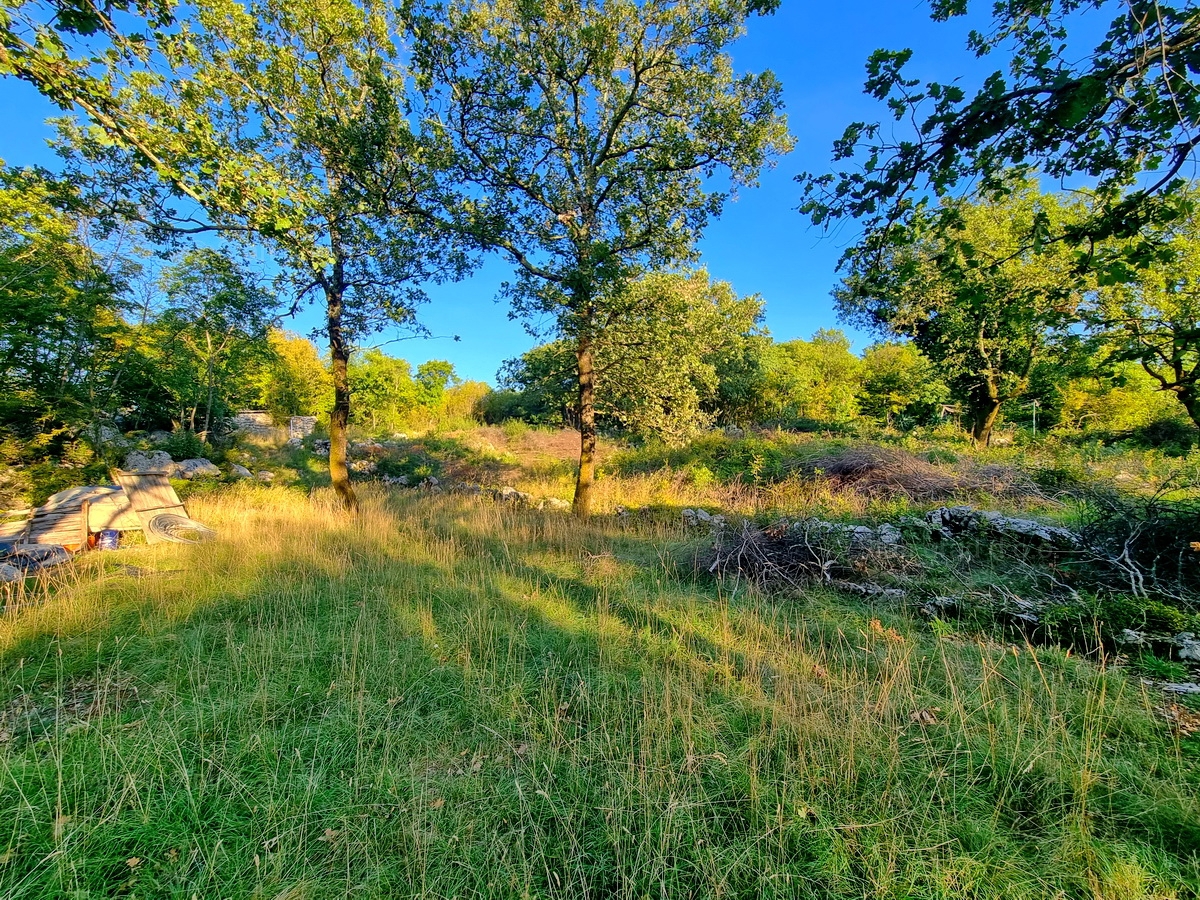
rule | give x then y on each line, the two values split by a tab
446	697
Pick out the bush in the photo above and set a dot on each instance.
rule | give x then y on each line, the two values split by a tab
184	445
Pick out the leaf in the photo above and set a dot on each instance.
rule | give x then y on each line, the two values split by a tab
438	803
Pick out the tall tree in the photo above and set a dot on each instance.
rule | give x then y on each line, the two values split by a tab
285	121
974	298
218	316
897	380
591	130
1152	315
61	299
1125	115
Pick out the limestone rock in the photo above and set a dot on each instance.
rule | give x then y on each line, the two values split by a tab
954	520
555	503
151	461
265	477
198	468
1189	647
239	471
300	427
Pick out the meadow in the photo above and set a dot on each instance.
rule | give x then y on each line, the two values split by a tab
451	697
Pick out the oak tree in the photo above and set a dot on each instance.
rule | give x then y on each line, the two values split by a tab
592	132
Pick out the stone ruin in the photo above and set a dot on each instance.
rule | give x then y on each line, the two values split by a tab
254	421
300	427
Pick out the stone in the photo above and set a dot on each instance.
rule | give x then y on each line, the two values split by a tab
158	437
255	422
151	461
300	427
265	477
955	520
363	466
1131	638
10	573
239	471
321	448
1189	647
106	436
198	468
555	503
513	496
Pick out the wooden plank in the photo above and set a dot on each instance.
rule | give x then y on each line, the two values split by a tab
150	494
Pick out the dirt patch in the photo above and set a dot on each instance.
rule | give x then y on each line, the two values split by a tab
48	709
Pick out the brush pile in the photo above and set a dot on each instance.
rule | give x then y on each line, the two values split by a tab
792	554
884	472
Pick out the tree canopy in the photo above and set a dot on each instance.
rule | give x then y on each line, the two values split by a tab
592	132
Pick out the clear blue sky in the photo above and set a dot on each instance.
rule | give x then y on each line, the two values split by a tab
761	244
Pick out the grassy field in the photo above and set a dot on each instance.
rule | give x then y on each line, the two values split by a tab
450	698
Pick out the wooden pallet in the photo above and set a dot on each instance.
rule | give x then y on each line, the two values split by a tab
150	494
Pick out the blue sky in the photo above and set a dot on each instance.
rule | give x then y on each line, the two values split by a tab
761	244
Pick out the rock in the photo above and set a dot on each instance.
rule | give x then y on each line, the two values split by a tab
1186	687
955	520
265	477
401	480
1131	638
733	431
366	448
106	436
363	466
293	443
430	481
697	518
10	573
151	461
198	468
513	496
1189	647
238	471
321	448
555	503
158	437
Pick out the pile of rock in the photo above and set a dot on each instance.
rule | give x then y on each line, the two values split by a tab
160	461
952	521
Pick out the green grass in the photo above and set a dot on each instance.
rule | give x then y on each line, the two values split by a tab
446	698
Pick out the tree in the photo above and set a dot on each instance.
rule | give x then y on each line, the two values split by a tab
1153	317
384	389
656	359
292	381
898	380
1125	116
591	130
285	122
811	381
974	298
218	316
62	335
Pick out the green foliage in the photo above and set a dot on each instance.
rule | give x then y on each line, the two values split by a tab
601	167
185	445
292	380
900	384
971	295
1117	115
810	383
1152	316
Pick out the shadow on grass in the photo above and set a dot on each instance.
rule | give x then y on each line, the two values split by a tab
451	700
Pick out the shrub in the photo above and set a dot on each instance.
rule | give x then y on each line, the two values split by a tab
184	445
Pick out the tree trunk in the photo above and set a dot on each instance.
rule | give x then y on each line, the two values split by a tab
1189	396
582	507
983	418
339	418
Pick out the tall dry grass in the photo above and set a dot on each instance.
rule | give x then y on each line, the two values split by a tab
445	697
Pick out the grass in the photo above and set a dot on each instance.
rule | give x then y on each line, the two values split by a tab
448	698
